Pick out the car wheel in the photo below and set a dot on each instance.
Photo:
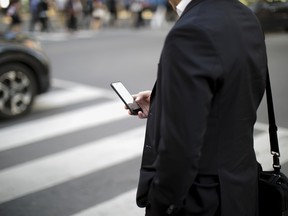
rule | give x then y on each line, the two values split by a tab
17	90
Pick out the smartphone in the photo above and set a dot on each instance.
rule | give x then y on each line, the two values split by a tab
126	97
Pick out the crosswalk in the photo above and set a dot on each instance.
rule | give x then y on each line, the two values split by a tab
63	35
84	161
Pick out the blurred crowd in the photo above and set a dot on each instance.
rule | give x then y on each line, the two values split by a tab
72	15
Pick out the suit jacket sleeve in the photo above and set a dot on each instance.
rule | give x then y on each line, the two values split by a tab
188	78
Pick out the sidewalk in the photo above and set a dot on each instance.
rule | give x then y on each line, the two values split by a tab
56	24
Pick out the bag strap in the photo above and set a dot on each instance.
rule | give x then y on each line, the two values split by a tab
274	146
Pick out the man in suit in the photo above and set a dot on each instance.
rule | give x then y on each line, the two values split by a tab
198	156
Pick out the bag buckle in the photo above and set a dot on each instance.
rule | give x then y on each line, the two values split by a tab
276	161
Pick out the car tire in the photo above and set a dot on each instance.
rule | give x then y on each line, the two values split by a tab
17	90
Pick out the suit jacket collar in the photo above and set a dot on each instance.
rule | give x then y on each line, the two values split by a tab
189	6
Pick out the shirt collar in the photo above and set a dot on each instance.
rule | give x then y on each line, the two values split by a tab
181	6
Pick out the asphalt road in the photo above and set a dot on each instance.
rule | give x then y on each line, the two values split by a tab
78	152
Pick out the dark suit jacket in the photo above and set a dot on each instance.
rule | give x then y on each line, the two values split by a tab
211	79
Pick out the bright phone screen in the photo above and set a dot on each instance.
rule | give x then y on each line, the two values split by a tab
126	96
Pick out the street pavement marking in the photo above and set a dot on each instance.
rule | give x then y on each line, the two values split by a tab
124	204
63	36
68	84
52	170
69	93
55	169
40	129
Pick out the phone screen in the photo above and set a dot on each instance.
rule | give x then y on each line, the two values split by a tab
126	97
123	92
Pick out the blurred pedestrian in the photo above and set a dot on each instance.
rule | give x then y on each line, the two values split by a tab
33	6
72	9
87	14
112	9
98	14
159	17
137	8
15	18
198	156
43	15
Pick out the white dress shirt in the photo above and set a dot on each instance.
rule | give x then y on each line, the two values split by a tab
181	6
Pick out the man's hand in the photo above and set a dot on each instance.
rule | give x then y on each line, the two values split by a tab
143	99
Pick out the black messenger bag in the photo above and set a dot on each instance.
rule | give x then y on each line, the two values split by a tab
273	185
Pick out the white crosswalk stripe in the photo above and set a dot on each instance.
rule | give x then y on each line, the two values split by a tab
73	93
120	204
51	170
20	134
69	122
57	168
63	36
